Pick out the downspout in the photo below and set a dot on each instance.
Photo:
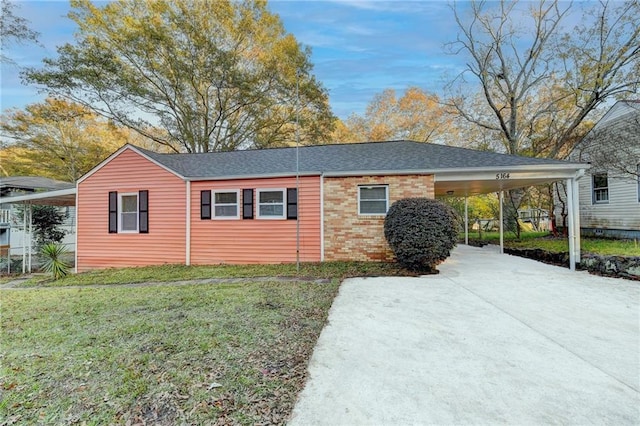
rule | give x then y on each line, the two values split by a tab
187	260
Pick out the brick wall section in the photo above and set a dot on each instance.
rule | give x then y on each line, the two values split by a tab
348	236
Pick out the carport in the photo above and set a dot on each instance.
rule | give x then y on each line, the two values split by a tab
487	180
62	198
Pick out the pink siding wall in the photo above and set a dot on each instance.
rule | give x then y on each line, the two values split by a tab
256	240
165	242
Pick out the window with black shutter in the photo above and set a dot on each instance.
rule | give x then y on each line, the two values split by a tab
292	203
113	212
143	211
247	203
205	204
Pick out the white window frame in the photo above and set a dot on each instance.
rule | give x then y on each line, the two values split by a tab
594	199
214	204
386	199
284	203
120	213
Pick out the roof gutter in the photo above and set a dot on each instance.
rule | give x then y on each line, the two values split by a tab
534	167
38	196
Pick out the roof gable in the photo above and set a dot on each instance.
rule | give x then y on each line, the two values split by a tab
142	152
619	110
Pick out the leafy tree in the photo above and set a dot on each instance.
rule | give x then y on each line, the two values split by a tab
479	207
56	139
13	29
214	75
539	85
46	222
417	115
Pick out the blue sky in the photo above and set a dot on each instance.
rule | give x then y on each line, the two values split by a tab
359	47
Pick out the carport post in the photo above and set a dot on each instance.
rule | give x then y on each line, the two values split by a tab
466	220
573	202
501	223
30	233
24	237
576	219
572	230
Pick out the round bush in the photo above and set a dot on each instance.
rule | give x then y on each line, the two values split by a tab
421	232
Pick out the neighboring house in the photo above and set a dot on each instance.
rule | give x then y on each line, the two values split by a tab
12	231
610	189
141	208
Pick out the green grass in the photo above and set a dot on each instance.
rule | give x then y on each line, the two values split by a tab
168	273
134	355
606	247
542	240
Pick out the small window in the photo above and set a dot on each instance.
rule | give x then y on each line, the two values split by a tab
271	204
226	204
128	212
373	200
600	188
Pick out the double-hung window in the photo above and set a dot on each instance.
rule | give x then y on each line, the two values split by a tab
600	184
128	213
373	200
226	204
271	203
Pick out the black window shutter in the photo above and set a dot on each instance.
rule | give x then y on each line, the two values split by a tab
247	203
292	203
205	204
143	211
113	212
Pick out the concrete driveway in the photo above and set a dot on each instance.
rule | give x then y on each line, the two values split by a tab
492	339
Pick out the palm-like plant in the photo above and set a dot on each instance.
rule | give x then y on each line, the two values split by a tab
54	263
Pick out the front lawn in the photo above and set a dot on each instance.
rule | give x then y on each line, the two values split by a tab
168	273
164	355
544	241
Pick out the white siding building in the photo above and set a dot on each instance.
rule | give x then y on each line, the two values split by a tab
610	189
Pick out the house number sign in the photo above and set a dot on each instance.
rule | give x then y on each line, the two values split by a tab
503	176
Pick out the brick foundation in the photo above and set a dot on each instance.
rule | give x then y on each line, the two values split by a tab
348	236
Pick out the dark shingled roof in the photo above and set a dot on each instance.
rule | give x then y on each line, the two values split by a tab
376	157
31	184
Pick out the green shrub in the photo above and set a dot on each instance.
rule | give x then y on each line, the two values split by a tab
54	264
421	232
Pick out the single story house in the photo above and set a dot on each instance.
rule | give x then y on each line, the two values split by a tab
311	203
610	189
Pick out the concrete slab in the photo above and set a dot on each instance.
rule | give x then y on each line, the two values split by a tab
491	339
